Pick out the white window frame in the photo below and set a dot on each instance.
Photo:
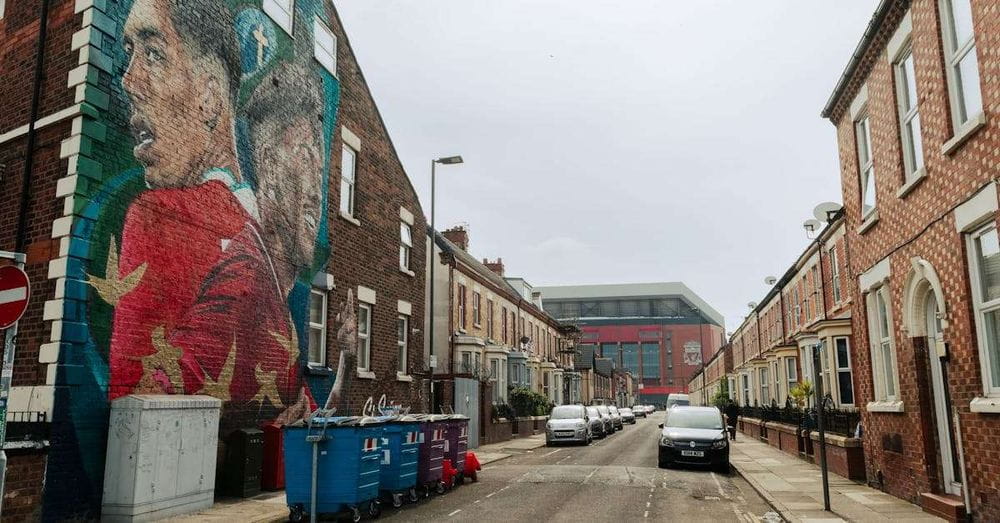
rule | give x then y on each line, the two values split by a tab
477	309
776	378
402	344
885	373
405	245
348	182
980	309
462	304
797	304
866	162
954	53
840	369
765	387
365	338
910	133
791	372
489	318
282	12
319	294
325	46
835	274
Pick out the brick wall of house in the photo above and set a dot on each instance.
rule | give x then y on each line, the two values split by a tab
921	224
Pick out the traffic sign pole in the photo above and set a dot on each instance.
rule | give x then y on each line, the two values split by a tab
10	340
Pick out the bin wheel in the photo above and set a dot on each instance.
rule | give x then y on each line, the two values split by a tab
296	514
397	500
355	514
475	477
375	508
439	487
460	479
413	495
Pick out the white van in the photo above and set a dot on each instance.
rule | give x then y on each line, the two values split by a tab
677	399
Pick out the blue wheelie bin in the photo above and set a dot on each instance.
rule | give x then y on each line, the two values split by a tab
400	451
431	454
344	452
457	443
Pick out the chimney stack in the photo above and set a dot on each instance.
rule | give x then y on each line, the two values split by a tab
458	235
496	266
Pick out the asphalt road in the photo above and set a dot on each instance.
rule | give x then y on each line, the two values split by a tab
615	479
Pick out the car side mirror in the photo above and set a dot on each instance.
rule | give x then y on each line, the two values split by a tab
660	425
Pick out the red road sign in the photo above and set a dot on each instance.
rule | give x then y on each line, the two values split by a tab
14	293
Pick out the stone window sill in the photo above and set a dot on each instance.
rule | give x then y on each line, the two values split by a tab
868	222
885	406
912	183
350	218
985	405
407	272
964	133
366	374
316	369
403	377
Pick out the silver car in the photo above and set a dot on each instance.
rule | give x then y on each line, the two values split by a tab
616	418
568	423
596	423
627	415
609	424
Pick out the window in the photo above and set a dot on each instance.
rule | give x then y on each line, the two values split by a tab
650	360
961	62
824	371
844	381
798	306
405	245
466	362
835	275
776	376
806	300
609	350
985	266
477	317
348	165
495	376
402	337
364	336
909	115
325	48
630	358
866	166
461	306
883	353
317	327
503	325
281	12
791	373
489	319
817	292
746	390
765	397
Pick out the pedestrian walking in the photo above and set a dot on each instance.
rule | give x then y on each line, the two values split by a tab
732	415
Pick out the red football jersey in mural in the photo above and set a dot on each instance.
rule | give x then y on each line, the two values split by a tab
170	241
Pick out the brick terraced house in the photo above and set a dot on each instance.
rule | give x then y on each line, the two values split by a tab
210	204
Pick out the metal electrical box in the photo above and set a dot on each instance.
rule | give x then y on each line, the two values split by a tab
242	465
161	456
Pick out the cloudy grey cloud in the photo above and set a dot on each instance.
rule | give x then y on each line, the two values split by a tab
617	141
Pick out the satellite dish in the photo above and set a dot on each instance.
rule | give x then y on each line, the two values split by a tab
823	211
770	280
812	225
752	305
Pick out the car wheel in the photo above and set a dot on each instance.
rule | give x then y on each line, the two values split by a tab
723	468
664	464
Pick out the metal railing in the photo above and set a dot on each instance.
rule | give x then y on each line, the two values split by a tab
836	420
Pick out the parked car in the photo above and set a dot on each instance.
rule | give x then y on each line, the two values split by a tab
677	399
596	423
639	411
616	418
627	415
568	423
694	435
609	425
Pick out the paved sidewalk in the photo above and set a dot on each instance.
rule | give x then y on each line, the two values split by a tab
505	449
795	489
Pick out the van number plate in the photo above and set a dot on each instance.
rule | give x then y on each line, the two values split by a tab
693	453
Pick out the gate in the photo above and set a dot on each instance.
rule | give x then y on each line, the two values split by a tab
467	404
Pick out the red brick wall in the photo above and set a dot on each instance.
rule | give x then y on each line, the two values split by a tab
921	224
23	490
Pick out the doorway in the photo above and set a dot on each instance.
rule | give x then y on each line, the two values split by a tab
950	482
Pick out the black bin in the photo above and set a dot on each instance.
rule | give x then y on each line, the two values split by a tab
243	463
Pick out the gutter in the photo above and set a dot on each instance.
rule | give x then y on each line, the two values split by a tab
29	151
859	52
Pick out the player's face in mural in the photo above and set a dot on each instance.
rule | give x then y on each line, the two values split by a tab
177	98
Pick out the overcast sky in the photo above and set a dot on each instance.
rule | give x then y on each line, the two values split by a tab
617	141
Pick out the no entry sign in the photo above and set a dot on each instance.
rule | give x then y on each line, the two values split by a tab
14	293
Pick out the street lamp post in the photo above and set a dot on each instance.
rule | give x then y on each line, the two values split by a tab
448	160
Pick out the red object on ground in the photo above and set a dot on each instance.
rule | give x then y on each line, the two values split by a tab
448	473
471	466
14	292
273	475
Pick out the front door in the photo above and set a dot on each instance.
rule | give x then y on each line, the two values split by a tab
951	482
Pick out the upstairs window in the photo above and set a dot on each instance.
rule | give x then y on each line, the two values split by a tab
866	166
835	275
317	327
909	115
348	164
477	313
364	336
489	319
960	60
405	245
325	48
461	307
281	12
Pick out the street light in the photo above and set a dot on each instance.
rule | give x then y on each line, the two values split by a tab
447	160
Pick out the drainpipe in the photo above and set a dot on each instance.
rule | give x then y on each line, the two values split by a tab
29	156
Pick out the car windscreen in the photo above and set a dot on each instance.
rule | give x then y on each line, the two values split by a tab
625	411
566	413
693	419
592	411
682	403
604	411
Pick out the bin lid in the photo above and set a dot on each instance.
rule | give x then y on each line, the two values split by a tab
457	417
340	421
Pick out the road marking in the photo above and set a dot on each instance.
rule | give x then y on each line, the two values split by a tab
711	498
719	485
476	501
455	512
590	475
648	503
645	514
550	453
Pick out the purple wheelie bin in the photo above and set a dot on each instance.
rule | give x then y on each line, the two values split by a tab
456	444
431	455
